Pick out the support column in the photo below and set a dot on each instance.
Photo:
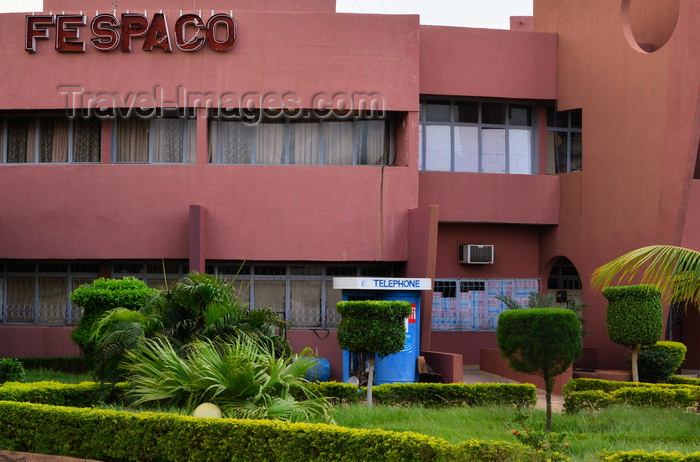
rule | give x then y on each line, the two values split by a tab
197	239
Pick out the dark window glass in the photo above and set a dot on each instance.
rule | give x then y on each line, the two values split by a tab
438	111
468	112
493	113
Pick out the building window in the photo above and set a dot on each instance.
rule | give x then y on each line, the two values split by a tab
476	136
470	305
156	140
29	140
563	141
302	140
303	295
39	293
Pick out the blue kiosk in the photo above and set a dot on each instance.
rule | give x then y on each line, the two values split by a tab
402	366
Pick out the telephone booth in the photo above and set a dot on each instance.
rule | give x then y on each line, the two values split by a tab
401	366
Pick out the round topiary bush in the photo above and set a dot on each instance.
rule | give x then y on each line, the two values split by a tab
676	349
656	365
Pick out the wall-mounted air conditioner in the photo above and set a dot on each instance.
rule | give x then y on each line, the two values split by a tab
475	254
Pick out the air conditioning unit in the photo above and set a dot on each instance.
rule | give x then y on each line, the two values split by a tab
476	254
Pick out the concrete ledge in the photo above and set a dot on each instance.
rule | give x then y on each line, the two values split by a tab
447	364
620	376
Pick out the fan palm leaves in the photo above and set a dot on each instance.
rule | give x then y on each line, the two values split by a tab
198	306
676	270
243	376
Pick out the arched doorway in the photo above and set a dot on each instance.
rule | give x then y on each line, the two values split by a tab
564	284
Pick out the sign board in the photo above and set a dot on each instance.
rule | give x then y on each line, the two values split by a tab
383	283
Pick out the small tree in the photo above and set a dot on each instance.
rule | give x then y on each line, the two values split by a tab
540	341
634	318
373	328
99	297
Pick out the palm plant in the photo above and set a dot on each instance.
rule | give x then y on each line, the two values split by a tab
242	375
198	306
676	270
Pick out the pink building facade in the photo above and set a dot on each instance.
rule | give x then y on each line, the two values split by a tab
298	144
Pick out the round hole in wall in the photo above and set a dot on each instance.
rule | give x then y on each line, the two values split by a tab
649	24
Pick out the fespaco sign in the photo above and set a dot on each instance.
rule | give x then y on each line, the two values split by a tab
191	32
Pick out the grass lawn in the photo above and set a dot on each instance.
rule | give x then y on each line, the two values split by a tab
623	428
41	375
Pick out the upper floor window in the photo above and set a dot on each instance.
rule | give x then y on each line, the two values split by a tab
156	140
301	140
563	141
476	136
48	139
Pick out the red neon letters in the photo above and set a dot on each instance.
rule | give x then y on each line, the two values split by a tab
109	33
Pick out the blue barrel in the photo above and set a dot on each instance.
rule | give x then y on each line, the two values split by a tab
320	372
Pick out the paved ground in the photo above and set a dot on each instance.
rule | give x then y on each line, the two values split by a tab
13	456
473	375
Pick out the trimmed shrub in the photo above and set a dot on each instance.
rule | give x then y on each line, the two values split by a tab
634	317
101	296
655	366
657	397
658	456
676	349
540	341
580	393
455	394
84	394
587	400
11	370
684	380
122	436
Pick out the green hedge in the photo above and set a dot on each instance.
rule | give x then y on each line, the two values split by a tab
659	456
431	394
122	436
595	393
455	394
84	394
676	379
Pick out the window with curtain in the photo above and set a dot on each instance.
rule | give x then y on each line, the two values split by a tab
476	136
50	139
39	293
158	140
301	141
564	141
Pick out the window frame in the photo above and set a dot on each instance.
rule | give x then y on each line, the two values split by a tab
453	123
72	273
4	118
569	130
187	157
291	120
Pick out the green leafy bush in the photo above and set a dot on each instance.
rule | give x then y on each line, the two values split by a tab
657	397
455	394
11	370
655	365
634	317
540	341
658	456
684	380
85	394
243	376
582	393
99	297
676	349
126	437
